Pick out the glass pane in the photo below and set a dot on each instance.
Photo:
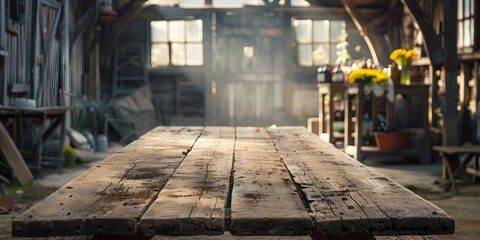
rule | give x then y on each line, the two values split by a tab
467	37
320	54
178	54
337	28
472	30
159	54
194	31
305	54
460	9
467	8
333	53
460	34
159	31
194	54
320	31
303	30
176	31
472	7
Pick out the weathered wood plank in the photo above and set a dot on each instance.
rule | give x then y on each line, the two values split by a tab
193	201
264	198
111	196
69	238
229	236
348	197
428	237
13	156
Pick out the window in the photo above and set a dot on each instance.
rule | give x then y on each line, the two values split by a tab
465	23
177	43
317	40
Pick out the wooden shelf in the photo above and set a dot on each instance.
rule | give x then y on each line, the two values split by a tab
420	137
372	149
326	125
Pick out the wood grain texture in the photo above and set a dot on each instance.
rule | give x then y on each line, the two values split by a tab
428	237
264	198
347	197
229	236
193	201
13	156
112	195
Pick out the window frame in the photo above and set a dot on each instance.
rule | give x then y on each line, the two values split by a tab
470	16
169	43
329	42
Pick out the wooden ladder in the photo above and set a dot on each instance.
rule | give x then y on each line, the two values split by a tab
129	69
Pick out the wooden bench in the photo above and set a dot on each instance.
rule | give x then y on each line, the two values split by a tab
451	159
248	181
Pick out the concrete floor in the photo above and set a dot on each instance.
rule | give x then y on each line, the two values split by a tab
421	179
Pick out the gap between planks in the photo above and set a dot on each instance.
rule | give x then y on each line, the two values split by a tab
111	196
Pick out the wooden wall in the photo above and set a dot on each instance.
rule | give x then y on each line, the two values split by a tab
209	93
32	45
460	81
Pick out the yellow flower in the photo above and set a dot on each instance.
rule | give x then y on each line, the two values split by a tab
368	76
402	56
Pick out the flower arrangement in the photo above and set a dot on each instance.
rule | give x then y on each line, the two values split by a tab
402	57
368	76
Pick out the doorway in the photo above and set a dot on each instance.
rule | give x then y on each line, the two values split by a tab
249	69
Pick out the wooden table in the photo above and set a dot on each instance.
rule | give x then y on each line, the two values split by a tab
46	120
244	180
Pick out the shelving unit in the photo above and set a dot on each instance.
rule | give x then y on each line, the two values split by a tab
326	113
415	98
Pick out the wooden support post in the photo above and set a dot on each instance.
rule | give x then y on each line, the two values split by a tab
450	118
86	21
97	62
321	111
435	71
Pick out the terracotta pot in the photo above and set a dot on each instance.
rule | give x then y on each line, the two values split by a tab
392	140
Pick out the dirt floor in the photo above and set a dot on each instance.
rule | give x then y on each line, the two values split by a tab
421	179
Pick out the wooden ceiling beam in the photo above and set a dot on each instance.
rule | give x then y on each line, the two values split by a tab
432	40
379	20
367	32
393	5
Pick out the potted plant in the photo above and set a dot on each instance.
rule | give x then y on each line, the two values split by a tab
377	81
386	139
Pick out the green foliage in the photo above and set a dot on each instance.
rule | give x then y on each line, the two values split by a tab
17	186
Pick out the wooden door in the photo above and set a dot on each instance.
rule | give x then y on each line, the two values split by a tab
47	51
249	70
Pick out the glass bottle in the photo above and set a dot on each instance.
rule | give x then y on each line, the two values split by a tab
337	74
